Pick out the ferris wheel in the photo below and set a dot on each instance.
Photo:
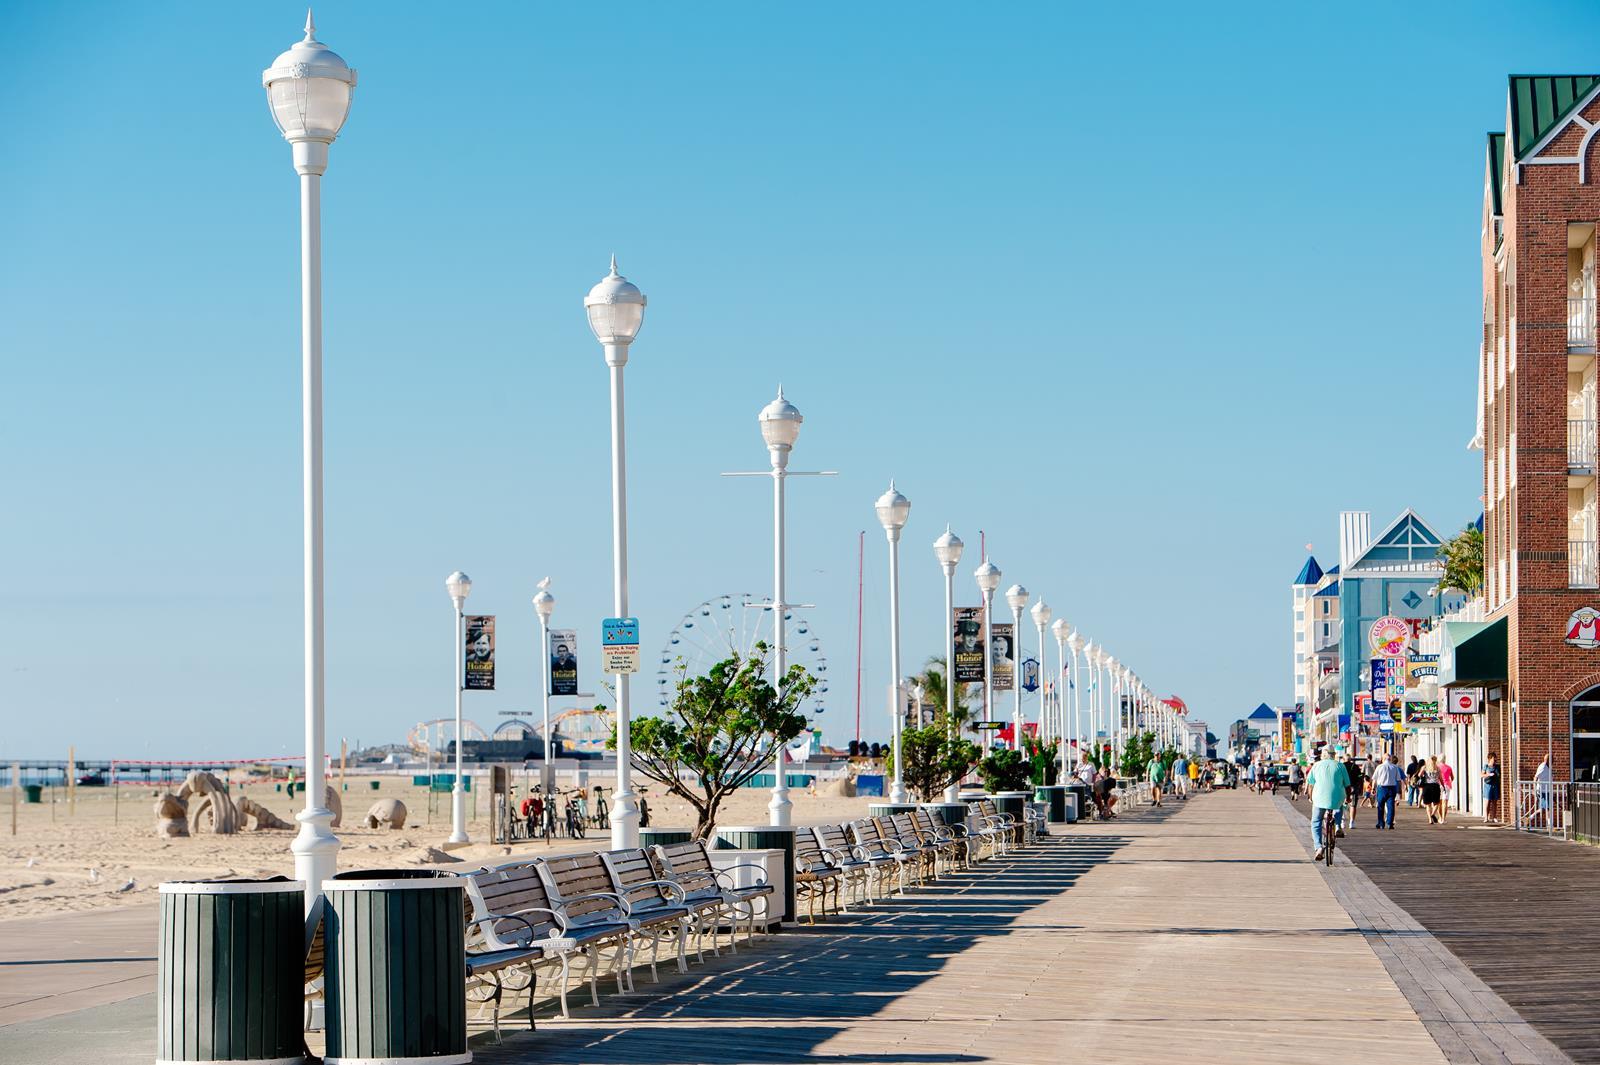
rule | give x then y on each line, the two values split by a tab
729	624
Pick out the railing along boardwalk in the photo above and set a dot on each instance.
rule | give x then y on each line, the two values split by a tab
1198	926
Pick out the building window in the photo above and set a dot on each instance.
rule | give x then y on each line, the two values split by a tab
1299	615
1299	637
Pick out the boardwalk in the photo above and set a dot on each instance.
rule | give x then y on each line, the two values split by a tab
1200	927
1518	909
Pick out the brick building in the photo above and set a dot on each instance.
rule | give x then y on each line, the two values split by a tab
1537	657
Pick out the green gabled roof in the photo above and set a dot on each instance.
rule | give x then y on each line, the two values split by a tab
1497	169
1539	105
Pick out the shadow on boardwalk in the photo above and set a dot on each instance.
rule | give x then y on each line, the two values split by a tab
779	1000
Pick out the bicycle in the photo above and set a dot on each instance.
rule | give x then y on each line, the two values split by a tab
1329	831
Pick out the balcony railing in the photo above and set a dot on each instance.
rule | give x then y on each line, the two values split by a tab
1580	321
1583	564
1581	442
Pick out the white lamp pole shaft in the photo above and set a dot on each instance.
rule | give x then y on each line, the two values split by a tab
1016	681
988	662
458	798
953	792
1047	727
624	813
547	775
898	792
779	809
1077	717
315	847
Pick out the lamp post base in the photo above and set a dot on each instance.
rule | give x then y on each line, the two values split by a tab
953	793
316	851
624	821
458	816
780	809
897	792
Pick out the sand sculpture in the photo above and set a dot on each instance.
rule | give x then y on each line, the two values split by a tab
387	813
210	808
172	817
264	818
330	799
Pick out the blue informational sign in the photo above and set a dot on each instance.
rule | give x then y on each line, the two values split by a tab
1344	722
1030	674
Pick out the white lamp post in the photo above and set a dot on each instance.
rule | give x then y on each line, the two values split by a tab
988	577
1114	689
893	510
544	604
780	428
308	91
459	585
1041	613
1075	641
1017	600
1066	684
616	311
1091	657
947	549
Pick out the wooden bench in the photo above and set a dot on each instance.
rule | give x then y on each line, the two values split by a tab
815	875
994	827
689	866
510	910
657	907
860	873
905	828
579	889
873	845
952	838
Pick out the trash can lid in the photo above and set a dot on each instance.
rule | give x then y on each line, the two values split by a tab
232	886
392	880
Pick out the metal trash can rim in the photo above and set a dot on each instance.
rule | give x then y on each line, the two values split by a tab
392	880
231	886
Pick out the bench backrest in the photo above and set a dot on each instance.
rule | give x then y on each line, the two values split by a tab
634	878
808	852
569	877
987	807
905	827
511	889
833	837
867	837
688	865
927	824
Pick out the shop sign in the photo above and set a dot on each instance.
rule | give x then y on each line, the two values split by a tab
1421	669
1423	714
1583	628
1466	701
1389	636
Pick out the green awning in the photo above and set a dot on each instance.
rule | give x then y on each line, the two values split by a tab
1473	655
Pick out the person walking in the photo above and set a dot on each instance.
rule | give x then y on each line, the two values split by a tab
1413	780
1357	778
1194	775
1154	772
1543	786
1180	777
1431	790
1447	777
1297	780
1386	781
1330	782
1491	788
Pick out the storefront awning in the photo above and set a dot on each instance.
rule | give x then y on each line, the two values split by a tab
1473	654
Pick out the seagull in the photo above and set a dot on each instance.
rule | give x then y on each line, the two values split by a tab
94	875
30	863
125	887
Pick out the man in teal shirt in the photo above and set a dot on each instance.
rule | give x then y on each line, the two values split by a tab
1329	781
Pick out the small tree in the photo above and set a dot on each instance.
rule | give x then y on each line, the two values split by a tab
1004	770
934	758
1463	561
1137	754
1044	759
720	731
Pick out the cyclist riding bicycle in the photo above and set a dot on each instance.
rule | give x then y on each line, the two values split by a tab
1329	782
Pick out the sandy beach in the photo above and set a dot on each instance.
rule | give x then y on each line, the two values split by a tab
45	867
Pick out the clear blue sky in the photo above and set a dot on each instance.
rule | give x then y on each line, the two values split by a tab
1148	293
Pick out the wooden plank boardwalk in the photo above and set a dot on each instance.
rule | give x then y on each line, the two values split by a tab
1517	909
1198	931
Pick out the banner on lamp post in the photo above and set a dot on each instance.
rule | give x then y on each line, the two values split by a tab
967	624
479	651
1002	655
563	651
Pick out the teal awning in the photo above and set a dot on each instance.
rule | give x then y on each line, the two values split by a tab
1473	655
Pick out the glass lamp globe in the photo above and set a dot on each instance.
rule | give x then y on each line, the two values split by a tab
893	510
780	423
458	584
988	577
947	548
616	308
1016	598
1041	614
309	90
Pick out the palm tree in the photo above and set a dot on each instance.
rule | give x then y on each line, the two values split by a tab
933	691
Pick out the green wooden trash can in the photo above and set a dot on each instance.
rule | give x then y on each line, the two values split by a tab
396	967
1055	798
884	809
32	793
650	837
231	971
764	838
950	813
373	784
